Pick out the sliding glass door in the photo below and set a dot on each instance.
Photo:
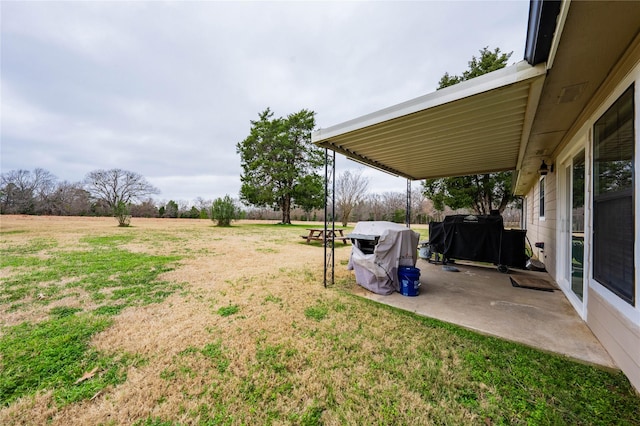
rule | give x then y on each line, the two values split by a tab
576	226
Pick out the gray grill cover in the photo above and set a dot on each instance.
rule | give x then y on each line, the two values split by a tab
397	246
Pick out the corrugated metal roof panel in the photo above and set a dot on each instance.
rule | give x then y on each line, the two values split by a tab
478	132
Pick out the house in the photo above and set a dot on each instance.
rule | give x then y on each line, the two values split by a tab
566	120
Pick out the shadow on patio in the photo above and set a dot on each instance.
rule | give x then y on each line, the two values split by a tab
482	299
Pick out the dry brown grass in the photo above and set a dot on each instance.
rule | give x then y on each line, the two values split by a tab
292	353
240	266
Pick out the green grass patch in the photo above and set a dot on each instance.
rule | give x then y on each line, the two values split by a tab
571	392
273	299
216	353
53	355
492	379
270	378
108	240
109	310
111	275
21	255
226	311
13	232
63	311
274	357
317	312
155	421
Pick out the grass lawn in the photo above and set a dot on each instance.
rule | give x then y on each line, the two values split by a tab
179	322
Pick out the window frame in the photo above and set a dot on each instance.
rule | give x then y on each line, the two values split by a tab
598	273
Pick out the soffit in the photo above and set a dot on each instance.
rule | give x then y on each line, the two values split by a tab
594	38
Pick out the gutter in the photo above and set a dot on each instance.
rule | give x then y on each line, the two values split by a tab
541	28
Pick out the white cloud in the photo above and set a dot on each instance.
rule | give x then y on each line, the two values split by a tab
51	23
188	188
168	89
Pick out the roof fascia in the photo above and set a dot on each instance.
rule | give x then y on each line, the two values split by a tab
516	73
562	18
532	105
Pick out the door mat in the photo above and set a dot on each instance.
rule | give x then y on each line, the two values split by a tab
532	283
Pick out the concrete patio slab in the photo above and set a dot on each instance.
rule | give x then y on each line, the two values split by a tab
482	299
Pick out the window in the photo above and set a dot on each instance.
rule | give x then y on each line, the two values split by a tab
613	198
542	197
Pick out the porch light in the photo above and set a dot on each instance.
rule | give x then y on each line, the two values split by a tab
544	169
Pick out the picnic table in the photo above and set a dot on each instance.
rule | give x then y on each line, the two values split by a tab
318	234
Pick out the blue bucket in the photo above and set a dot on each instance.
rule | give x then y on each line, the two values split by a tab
409	278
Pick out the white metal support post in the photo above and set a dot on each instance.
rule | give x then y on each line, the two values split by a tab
407	217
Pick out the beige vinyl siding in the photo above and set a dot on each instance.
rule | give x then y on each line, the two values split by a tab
548	226
618	335
543	230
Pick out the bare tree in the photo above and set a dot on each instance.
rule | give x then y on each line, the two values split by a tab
373	208
184	208
44	184
417	206
351	189
203	206
25	192
394	205
146	208
118	189
68	199
16	194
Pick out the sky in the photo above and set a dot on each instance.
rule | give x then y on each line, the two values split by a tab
168	89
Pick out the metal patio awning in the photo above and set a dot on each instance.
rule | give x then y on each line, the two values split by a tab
477	126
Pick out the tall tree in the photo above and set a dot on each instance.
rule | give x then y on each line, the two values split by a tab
171	210
309	193
280	164
351	189
118	188
482	193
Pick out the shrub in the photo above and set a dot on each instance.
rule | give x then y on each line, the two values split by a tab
122	214
223	211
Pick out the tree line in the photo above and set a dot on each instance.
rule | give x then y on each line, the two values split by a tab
101	193
38	192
